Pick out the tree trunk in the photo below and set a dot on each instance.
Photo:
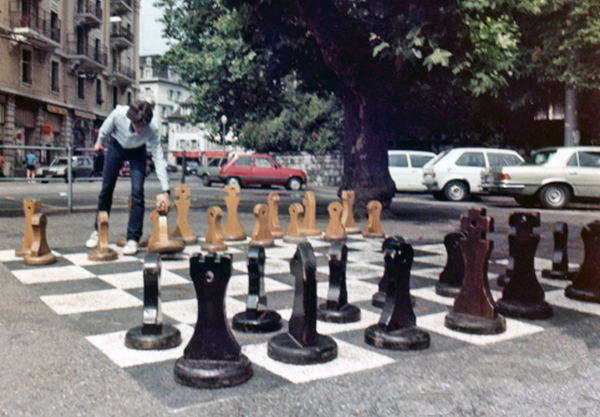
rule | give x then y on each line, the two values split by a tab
572	134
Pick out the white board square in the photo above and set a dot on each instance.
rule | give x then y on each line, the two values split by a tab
81	259
558	298
135	279
52	274
238	285
85	302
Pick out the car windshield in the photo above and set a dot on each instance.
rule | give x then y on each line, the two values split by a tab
60	161
541	157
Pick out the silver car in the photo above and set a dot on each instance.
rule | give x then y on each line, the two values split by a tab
551	177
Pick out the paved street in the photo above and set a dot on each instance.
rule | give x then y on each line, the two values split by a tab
49	369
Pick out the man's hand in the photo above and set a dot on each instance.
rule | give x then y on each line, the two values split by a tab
165	200
98	146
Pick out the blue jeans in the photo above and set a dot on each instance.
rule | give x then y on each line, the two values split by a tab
115	156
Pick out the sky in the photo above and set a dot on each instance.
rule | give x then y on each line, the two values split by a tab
151	42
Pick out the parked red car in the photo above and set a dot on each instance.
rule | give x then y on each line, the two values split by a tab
261	170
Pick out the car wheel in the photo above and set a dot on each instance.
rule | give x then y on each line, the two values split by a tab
206	180
456	191
526	201
555	196
294	184
233	181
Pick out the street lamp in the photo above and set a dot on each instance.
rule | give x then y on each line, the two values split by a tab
224	123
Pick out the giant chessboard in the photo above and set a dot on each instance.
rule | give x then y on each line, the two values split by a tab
104	300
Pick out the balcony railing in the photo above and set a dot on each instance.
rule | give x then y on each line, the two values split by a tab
36	19
88	13
119	7
97	54
123	71
121	34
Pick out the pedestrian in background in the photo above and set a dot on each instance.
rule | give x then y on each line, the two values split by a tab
30	161
2	165
126	131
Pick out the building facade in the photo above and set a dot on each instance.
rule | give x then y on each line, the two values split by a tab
65	65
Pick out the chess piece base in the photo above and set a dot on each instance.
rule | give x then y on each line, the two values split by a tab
294	239
411	338
213	248
378	299
352	230
46	259
169	337
234	238
447	290
257	321
121	242
22	252
278	234
467	323
284	348
577	294
503	280
97	255
311	232
188	240
532	311
347	314
265	243
199	373
172	246
339	238
374	235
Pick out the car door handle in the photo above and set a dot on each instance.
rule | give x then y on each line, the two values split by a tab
573	173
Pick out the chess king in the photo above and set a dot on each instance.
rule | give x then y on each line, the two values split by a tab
126	131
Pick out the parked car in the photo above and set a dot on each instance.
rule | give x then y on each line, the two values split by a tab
191	167
406	169
262	170
209	172
172	168
456	174
82	167
551	177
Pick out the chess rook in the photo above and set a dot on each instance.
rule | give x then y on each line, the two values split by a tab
374	229
586	285
257	318
152	334
213	358
452	276
335	232
390	244
302	345
261	235
30	207
160	241
40	253
294	233
474	310
309	227
523	296
182	229
560	257
337	309
232	230
273	203
397	328
102	251
348	213
214	241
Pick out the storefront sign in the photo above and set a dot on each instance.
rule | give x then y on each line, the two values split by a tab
47	130
57	110
85	115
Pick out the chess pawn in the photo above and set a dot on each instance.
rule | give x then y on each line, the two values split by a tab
102	252
40	253
374	229
586	285
348	213
309	227
122	241
30	207
335	232
294	233
160	241
274	227
261	236
182	229
214	242
232	231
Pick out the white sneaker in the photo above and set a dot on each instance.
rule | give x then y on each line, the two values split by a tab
130	248
92	242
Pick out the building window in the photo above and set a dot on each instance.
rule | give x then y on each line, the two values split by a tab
99	99
115	96
147	73
55	77
81	88
129	98
178	97
27	66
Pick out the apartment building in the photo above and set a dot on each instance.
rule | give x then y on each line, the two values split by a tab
64	65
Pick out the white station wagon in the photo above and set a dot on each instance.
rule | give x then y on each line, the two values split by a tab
406	169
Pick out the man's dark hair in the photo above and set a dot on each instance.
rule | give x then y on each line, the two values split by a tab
140	112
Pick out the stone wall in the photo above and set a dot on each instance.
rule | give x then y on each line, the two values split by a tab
321	169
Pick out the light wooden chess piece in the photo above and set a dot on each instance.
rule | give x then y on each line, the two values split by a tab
102	251
261	236
30	207
274	227
374	229
309	227
232	231
348	213
214	242
160	241
294	233
122	241
40	253
335	232
182	227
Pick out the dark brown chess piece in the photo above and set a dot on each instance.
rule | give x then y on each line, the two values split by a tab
261	235
335	232
389	245
294	233
348	213
560	256
274	227
452	276
182	229
523	296
232	230
30	207
374	229
103	252
309	227
214	242
160	241
474	310
586	285
121	242
40	253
